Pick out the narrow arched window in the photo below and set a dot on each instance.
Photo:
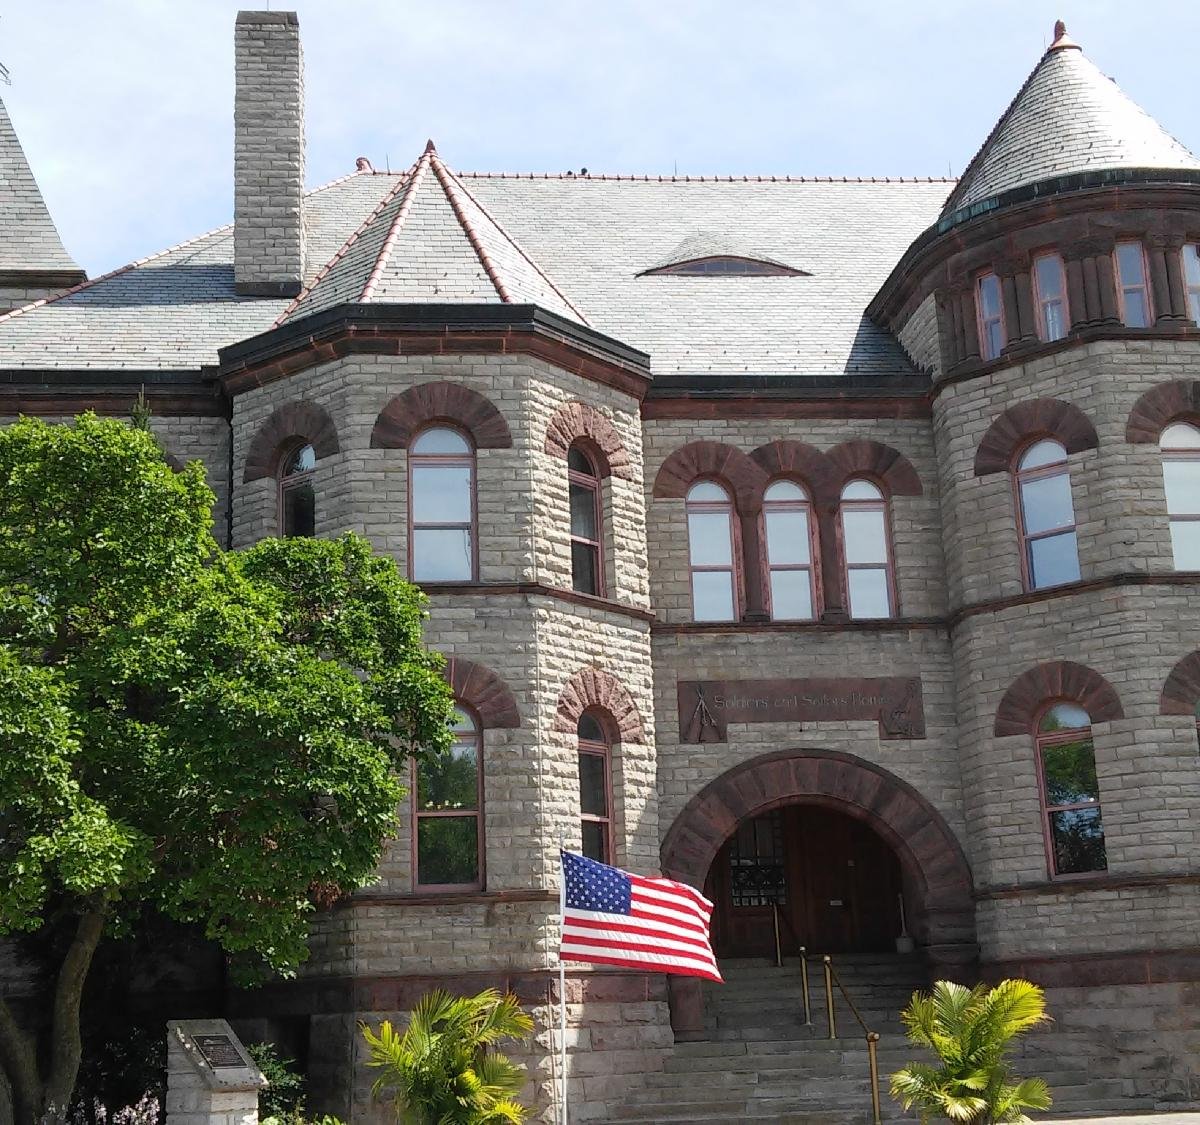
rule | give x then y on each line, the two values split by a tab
787	522
1050	290
587	565
297	500
447	798
1070	792
595	789
711	552
990	310
441	482
1133	294
1180	445
867	551
1049	548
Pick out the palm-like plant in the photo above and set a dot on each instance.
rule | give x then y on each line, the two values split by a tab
440	1071
969	1030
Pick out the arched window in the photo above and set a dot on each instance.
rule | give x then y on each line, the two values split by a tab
447	796
1050	288
595	789
587	568
787	523
1070	793
867	551
1180	445
297	500
441	483
1049	550
711	552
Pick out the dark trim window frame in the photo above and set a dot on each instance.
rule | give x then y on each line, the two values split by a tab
989	312
865	546
712	541
1042	508
1050	296
443	523
1190	255
1069	792
1134	303
595	787
789	536
587	522
1179	445
297	503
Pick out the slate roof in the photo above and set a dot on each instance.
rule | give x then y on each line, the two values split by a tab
29	240
1068	117
430	241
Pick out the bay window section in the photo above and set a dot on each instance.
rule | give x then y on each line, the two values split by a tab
787	524
583	483
1050	288
990	308
447	798
866	551
441	470
1074	829
1132	292
595	789
1180	446
1050	551
711	553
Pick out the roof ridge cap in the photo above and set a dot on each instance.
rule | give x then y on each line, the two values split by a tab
459	185
624	177
389	242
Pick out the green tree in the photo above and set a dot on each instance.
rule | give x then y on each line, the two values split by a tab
213	736
441	1070
970	1029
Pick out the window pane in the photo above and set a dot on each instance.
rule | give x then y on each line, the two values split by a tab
1046	502
1180	435
1070	772
1054	560
869	593
1065	716
712	595
861	490
463	723
791	595
707	490
441	493
583	512
1078	839
1191	264
589	729
580	462
441	441
585	576
447	850
595	841
299	509
450	781
709	540
989	296
864	536
441	554
593	785
787	537
1054	320
784	490
1049	277
1182	480
301	461
1185	544
1130	263
1043	453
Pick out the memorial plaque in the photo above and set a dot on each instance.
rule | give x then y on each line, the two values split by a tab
219	1051
707	707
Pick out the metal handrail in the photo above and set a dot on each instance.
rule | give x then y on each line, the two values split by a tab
803	960
872	1037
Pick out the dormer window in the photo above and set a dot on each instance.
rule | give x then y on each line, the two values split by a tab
991	316
1132	292
726	266
1050	287
722	254
1191	279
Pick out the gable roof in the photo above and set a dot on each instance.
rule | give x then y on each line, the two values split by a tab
29	241
1068	117
430	241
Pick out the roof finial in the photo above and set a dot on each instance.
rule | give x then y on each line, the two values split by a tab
1062	41
430	146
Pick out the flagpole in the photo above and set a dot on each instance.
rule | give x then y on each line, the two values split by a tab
562	982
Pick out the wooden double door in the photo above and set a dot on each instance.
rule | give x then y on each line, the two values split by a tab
836	884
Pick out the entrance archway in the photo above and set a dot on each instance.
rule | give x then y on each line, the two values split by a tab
937	878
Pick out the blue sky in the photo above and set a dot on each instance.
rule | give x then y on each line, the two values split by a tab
125	108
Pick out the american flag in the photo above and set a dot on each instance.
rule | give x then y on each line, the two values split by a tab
613	918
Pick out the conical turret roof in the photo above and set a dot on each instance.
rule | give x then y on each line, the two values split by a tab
430	241
1067	118
29	241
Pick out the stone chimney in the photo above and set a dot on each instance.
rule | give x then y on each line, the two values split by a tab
268	155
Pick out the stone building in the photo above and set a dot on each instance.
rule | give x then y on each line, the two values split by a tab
833	545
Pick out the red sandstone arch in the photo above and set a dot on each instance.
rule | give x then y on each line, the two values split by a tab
292	422
1050	416
594	687
1058	679
575	421
712	459
483	691
417	407
1159	406
1181	692
889	466
784	458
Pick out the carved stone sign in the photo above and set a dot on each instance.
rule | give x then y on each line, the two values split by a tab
707	707
219	1051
